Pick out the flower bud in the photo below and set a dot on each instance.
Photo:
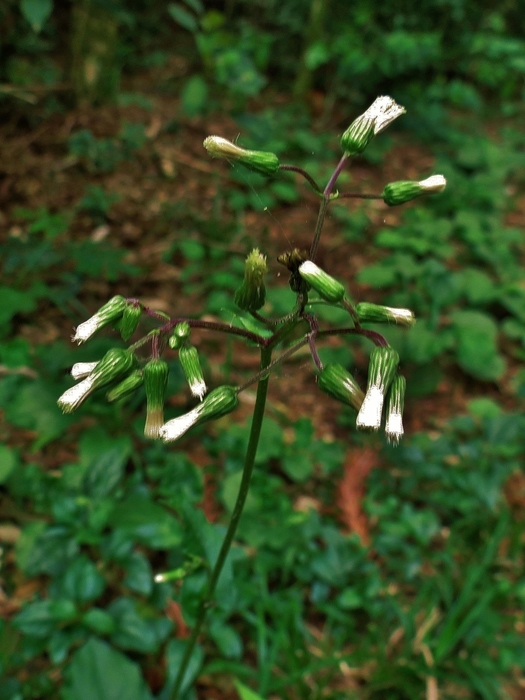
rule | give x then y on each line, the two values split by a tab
113	365
363	129
107	314
218	403
180	334
396	193
394	410
335	381
251	295
191	366
326	286
80	370
129	321
381	371
258	161
373	313
126	387
155	380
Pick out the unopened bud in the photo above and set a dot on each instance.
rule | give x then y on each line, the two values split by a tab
325	285
374	313
180	334
129	321
396	193
126	387
155	380
259	161
335	381
363	129
251	295
191	366
110	312
394	410
381	371
218	403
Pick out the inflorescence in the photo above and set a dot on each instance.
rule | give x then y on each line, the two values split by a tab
123	371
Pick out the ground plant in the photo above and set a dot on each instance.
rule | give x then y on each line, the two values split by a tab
360	562
124	370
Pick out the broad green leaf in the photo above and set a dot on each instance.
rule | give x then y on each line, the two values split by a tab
174	653
138	573
36	12
8	461
104	473
34	408
477	351
147	522
135	631
99	671
82	581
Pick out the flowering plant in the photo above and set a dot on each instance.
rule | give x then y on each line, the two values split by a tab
122	371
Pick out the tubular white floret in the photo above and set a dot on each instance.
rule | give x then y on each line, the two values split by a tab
82	369
198	388
382	112
175	428
88	328
369	415
394	427
73	397
434	183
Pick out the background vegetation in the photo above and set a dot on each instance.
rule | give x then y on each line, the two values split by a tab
360	571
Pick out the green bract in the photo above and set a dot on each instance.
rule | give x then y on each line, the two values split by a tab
325	285
338	383
251	295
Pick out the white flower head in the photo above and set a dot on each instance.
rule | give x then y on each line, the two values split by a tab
80	370
404	317
198	388
382	112
218	147
85	330
394	427
369	416
175	428
434	183
73	397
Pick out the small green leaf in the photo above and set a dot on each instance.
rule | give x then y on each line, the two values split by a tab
147	522
8	461
36	619
134	631
36	12
246	693
477	351
194	96
174	653
183	17
98	671
138	573
99	621
82	581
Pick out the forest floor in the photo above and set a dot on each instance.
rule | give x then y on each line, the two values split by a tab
172	171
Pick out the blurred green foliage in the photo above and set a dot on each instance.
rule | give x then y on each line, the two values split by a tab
438	592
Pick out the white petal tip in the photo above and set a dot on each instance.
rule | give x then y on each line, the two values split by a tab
369	416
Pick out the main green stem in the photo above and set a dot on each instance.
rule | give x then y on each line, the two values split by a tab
249	461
